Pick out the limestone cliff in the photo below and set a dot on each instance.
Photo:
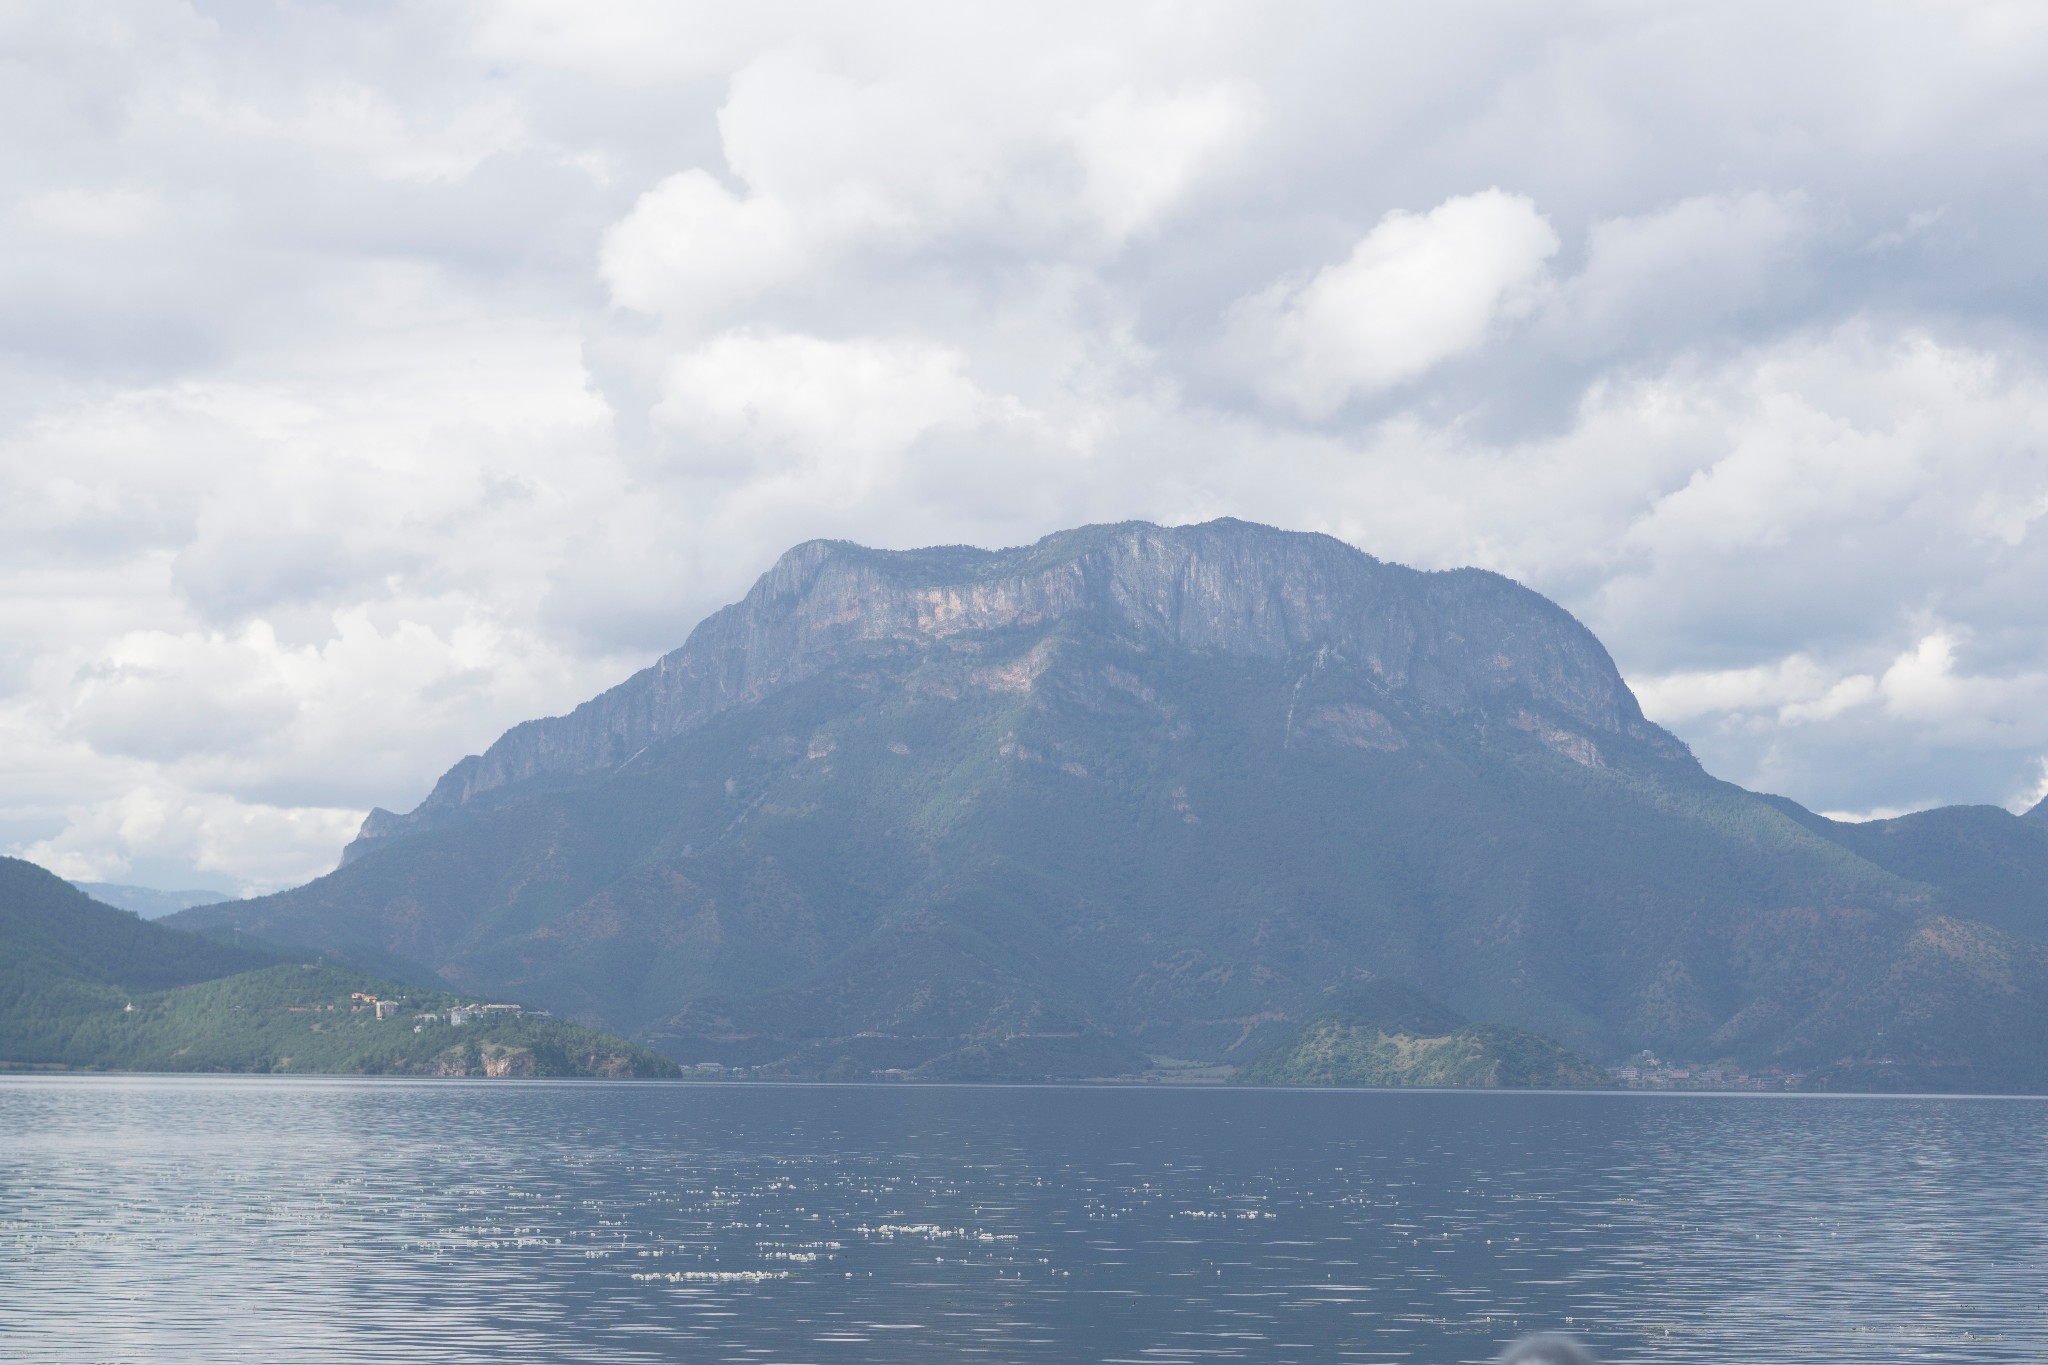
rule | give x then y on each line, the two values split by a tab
1450	641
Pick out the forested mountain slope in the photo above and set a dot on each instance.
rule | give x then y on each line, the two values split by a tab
86	985
1138	790
1985	862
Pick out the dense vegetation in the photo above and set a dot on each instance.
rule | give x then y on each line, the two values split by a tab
1382	1034
85	985
1984	862
304	1017
49	929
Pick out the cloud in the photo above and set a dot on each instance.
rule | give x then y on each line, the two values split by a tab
1683	270
1928	698
691	247
360	123
801	405
1783	686
637	43
2034	793
1140	156
1416	291
1919	683
109	212
158	836
226	711
1858	817
832	165
374	381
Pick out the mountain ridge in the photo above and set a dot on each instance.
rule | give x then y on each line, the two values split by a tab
1151	790
825	595
151	902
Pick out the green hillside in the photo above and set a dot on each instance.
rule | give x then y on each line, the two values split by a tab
85	985
51	930
307	1018
1987	863
1381	1034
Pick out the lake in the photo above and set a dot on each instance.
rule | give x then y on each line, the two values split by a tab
170	1219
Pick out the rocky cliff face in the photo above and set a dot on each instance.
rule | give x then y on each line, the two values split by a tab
1451	642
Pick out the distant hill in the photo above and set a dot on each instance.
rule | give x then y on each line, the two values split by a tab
1383	1034
1143	791
312	1018
1984	862
51	931
85	985
149	902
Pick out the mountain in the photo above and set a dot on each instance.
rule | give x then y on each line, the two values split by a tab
86	985
1140	791
147	901
51	931
1379	1033
1227	588
1983	861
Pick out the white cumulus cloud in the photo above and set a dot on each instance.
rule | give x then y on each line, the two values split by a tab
1416	290
1141	155
691	246
838	411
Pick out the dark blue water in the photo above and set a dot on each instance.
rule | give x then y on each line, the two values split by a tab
229	1219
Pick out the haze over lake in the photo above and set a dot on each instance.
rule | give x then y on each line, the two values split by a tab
161	1219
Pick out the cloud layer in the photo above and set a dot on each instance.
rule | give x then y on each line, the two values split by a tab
371	380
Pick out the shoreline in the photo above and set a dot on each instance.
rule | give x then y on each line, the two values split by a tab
12	1071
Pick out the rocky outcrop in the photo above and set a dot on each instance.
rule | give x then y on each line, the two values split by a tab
1450	641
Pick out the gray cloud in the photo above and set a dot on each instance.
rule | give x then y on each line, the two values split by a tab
373	378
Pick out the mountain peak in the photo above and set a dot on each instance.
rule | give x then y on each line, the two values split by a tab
1452	640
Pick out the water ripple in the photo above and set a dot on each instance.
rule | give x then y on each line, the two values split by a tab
222	1219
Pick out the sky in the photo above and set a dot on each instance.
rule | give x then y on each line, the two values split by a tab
374	377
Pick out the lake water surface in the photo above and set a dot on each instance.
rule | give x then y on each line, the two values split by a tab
171	1219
